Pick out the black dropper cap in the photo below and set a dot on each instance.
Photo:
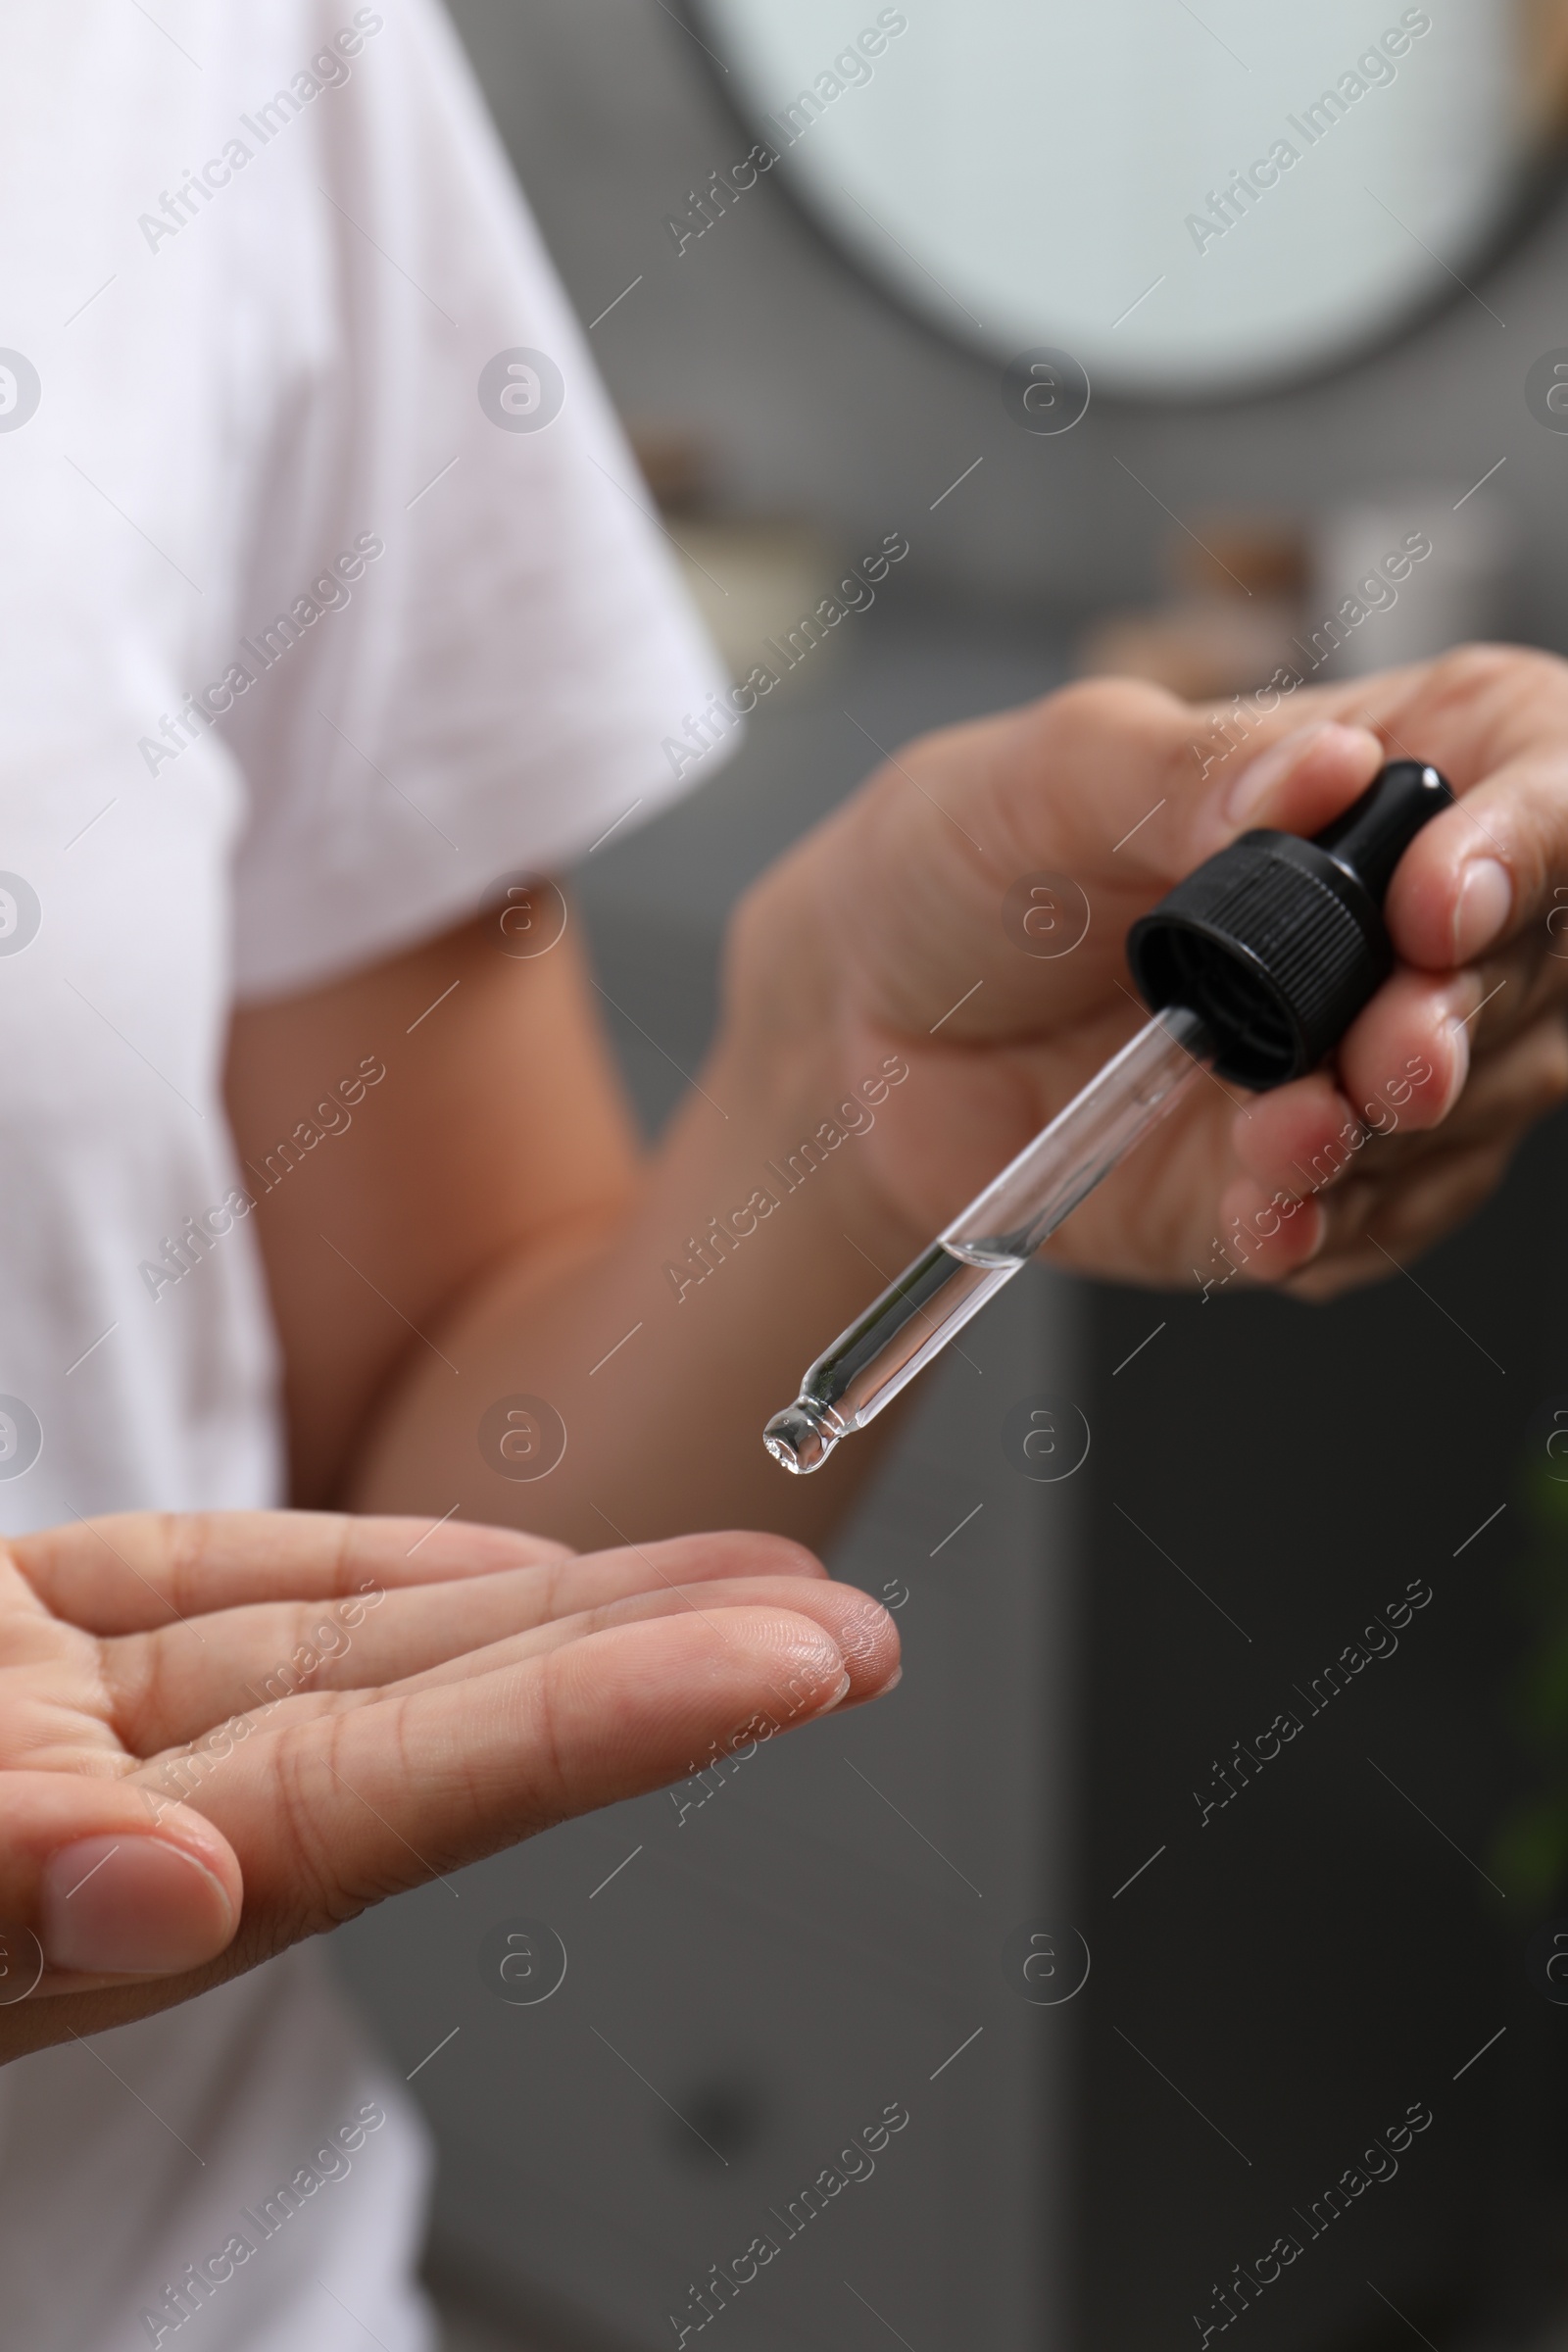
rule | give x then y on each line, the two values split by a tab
1276	942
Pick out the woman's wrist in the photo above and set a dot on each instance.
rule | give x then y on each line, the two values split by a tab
802	1087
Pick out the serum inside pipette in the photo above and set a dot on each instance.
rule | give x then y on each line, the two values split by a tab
869	1363
985	1245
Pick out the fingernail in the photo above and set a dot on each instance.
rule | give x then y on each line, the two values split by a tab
1483	904
1458	1032
838	1696
1261	775
130	1906
1462	1065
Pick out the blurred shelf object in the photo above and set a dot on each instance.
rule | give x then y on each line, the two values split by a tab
751	577
753	581
676	464
1367	585
1544	74
1230	620
1367	556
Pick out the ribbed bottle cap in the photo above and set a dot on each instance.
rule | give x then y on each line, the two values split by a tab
1276	942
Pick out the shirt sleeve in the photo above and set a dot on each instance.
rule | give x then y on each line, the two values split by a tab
468	651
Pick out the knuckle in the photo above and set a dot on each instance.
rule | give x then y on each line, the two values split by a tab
1095	707
1474	668
183	1538
132	1678
317	1890
552	1779
1478	688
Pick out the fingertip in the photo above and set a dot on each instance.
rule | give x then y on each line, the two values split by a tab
1455	891
863	1630
1405	1059
134	1904
1452	1072
698	1655
1273	1233
801	1644
870	1640
792	1668
1304	780
1483	906
1276	1137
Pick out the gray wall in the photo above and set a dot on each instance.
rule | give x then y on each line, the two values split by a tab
817	397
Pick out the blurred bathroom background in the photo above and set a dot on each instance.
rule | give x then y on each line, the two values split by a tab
1021	289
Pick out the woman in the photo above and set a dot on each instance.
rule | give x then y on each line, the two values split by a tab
334	621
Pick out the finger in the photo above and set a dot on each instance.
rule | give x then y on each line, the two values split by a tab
166	1688
1492	718
356	1806
1383	1237
1527	1078
1357	1172
110	1887
1489	869
1107	781
1404	1059
1269	1233
1400	1069
1294	785
135	1569
1512	1083
1382	1216
1402	1220
1306	1137
863	1629
1508	1092
1296	781
1417	1050
1410	1190
1296	1137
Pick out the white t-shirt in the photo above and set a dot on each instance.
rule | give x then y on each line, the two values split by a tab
326	601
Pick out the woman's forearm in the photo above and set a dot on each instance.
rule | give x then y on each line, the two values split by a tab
656	1350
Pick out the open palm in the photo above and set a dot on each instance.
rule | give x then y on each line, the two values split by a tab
219	1733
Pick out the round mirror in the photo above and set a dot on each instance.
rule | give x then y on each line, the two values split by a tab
1190	200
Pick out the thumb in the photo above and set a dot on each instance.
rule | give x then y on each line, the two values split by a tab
1296	784
98	1881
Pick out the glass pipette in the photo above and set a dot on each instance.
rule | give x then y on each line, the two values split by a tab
988	1242
1255	965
